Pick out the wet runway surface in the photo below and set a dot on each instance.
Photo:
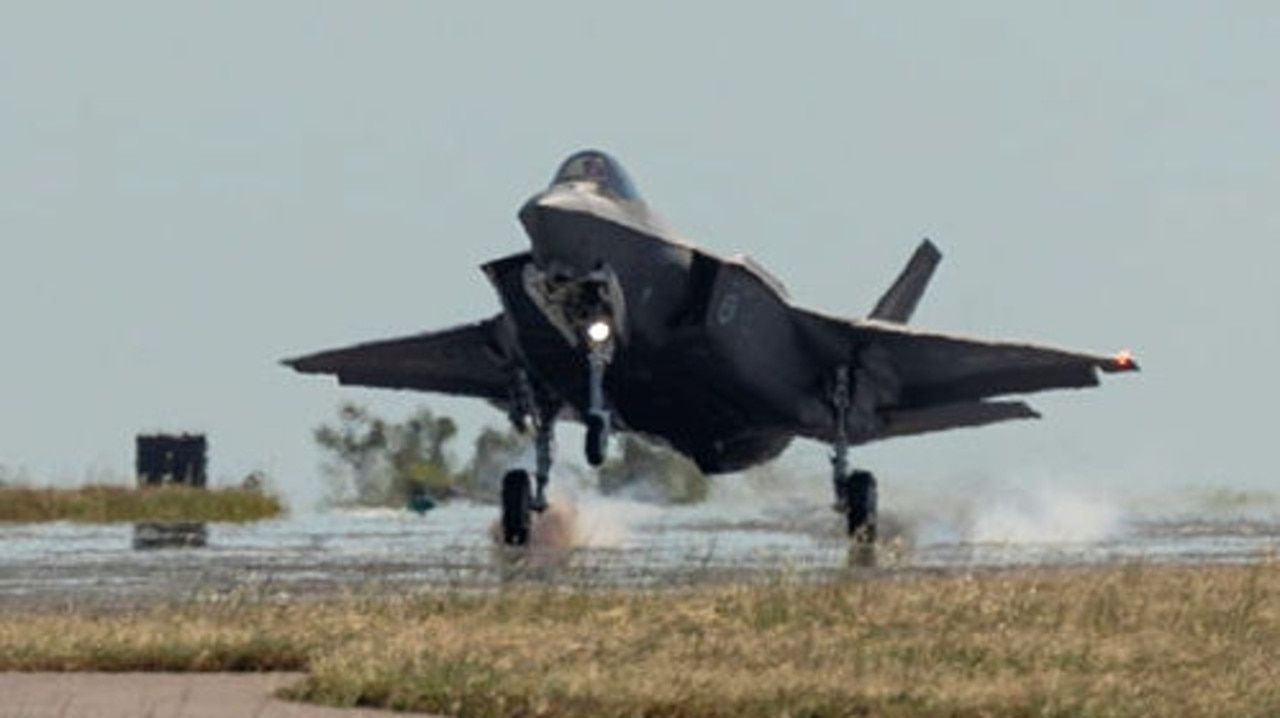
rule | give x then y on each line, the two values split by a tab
608	542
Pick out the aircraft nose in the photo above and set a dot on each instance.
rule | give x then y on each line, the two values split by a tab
554	220
532	215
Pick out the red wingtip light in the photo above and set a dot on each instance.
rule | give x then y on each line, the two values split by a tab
1124	360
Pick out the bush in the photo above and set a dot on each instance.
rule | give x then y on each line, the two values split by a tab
388	462
651	472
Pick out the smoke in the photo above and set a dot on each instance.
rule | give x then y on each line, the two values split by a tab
961	510
555	528
1045	515
584	518
610	521
984	512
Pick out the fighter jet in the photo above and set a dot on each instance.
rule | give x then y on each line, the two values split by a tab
611	319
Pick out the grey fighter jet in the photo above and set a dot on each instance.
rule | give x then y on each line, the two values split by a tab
612	319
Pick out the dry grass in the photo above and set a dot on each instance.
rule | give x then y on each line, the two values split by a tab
106	504
1126	641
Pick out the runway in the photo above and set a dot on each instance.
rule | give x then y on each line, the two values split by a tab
741	534
610	542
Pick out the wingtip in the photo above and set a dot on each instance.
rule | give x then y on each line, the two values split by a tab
1027	412
1123	361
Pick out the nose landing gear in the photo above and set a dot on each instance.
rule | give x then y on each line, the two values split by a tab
600	348
589	311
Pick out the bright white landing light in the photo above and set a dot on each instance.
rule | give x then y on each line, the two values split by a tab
599	332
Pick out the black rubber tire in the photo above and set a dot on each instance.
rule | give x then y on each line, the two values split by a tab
516	499
862	507
597	438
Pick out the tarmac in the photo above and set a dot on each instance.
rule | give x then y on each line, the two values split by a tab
66	566
160	695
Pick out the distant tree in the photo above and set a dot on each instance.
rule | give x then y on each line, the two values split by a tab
388	462
496	450
653	472
418	458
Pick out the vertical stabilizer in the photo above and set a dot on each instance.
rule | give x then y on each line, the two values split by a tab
898	304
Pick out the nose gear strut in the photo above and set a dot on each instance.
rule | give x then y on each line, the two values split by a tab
598	418
589	310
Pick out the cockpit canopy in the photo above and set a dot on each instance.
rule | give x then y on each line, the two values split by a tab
600	170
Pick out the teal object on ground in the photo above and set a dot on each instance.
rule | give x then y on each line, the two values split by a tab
421	504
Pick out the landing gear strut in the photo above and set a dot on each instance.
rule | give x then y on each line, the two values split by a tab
589	310
855	490
519	502
601	351
543	437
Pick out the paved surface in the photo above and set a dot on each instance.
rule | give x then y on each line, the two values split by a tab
748	530
158	695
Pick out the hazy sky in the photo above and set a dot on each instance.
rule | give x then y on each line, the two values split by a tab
191	191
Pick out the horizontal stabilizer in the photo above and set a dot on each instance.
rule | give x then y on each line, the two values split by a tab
908	422
899	303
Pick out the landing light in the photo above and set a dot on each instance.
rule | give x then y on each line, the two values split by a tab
1124	359
599	332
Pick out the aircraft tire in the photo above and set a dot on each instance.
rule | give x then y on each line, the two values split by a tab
596	439
862	507
516	501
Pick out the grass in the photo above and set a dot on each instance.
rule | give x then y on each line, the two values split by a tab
1134	640
107	504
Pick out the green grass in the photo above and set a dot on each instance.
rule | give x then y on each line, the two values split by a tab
106	504
1122	641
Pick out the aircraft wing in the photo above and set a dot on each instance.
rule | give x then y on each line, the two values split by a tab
929	381
935	368
468	360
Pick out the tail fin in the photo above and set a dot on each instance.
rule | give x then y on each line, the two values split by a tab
900	301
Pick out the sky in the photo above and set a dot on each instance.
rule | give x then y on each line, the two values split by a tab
190	192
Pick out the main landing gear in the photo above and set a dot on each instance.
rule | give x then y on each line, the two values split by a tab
517	504
855	490
519	500
856	499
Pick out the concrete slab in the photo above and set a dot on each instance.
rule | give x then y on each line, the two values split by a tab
159	695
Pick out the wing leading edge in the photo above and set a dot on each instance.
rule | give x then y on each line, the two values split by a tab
930	381
936	368
469	360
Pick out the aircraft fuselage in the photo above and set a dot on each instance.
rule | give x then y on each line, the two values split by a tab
698	340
